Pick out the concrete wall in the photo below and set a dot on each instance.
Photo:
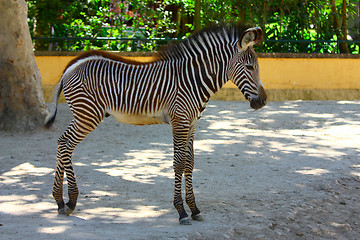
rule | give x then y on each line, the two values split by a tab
306	77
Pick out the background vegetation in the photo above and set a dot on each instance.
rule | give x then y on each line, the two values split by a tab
322	26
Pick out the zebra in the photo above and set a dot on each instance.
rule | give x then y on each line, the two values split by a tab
174	89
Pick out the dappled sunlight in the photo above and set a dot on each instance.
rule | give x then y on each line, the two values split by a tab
103	193
107	163
328	140
290	104
344	225
225	114
17	173
349	102
210	144
285	164
313	171
298	141
254	213
122	215
357	168
344	130
304	134
285	112
54	229
318	115
302	142
229	125
141	166
251	152
22	204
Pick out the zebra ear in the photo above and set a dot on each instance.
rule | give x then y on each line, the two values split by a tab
250	37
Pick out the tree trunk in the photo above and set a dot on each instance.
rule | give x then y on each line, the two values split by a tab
21	98
359	22
344	47
281	16
197	15
340	30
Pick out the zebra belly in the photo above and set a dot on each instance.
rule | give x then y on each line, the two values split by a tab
140	119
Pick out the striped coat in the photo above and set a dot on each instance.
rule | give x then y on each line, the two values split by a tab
174	89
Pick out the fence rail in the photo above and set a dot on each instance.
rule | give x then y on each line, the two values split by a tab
153	44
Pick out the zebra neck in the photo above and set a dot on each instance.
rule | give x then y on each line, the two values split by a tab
203	74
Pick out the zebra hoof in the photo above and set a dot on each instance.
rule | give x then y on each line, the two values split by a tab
65	210
185	221
197	217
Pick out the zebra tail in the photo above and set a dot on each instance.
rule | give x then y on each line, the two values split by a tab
50	119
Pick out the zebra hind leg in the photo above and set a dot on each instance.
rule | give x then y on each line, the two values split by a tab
58	183
66	145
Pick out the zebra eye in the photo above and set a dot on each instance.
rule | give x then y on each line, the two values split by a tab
250	67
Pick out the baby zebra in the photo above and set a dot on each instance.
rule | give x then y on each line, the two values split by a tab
173	89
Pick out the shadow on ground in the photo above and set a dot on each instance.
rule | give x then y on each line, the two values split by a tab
288	170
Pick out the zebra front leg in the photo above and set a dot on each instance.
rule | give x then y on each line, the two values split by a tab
189	166
190	198
178	201
180	134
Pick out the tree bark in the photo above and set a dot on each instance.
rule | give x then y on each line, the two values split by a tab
340	30
281	16
22	104
197	15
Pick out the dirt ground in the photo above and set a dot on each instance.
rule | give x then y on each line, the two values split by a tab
288	171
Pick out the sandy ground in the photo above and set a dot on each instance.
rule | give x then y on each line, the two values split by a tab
288	171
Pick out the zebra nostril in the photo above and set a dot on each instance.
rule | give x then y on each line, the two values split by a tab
257	103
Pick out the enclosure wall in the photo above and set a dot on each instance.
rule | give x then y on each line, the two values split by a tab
284	78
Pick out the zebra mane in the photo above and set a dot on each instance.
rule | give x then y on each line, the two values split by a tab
108	55
225	30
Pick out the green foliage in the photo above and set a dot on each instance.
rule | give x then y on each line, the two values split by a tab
149	20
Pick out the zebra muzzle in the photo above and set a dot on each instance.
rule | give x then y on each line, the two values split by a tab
259	101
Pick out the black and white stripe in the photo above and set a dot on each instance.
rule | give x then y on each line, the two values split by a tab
172	89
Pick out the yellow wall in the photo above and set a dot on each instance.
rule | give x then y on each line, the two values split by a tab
287	78
52	67
276	73
310	73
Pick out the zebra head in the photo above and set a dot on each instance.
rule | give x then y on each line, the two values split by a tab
244	68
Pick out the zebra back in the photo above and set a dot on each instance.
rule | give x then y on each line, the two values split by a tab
180	79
